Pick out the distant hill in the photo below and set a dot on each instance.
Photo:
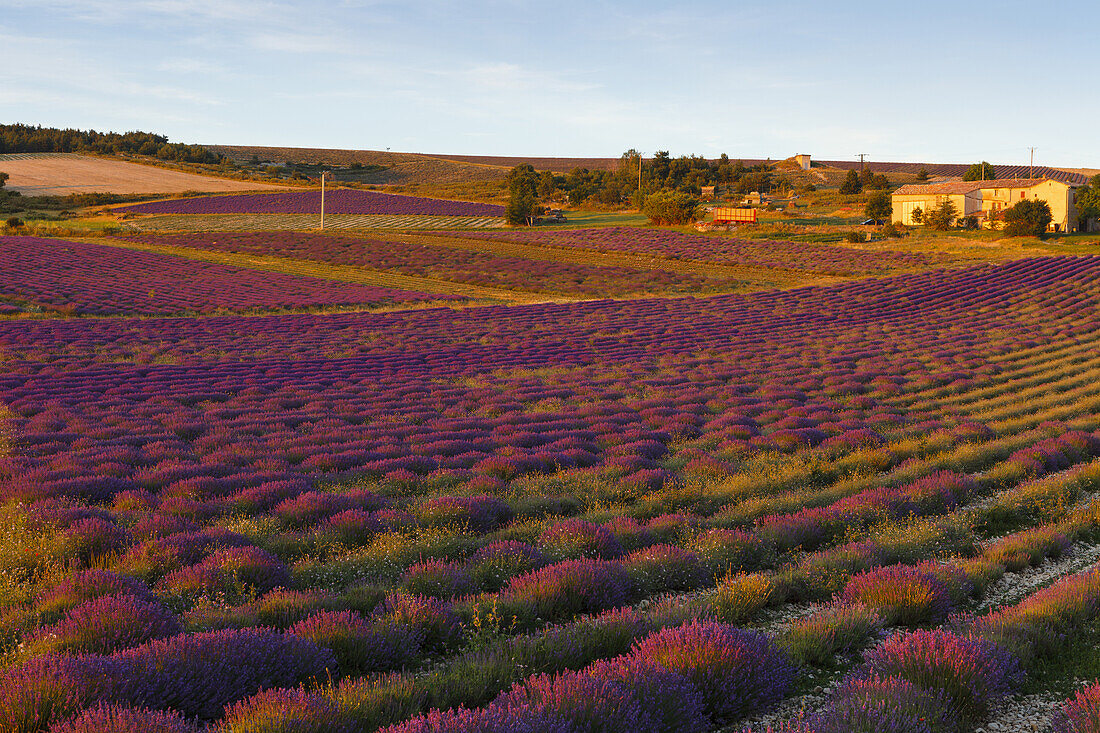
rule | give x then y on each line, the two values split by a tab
405	168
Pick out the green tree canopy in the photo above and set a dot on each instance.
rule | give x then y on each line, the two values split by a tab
670	207
922	174
852	184
1028	218
879	207
523	184
980	172
1087	202
3	178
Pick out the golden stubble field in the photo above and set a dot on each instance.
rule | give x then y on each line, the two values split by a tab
60	174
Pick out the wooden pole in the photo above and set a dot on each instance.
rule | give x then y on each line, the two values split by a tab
322	199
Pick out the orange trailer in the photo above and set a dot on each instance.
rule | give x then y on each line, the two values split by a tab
734	215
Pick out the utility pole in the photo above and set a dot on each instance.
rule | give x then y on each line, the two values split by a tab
322	199
861	157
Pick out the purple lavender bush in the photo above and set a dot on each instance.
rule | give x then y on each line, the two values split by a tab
104	625
105	718
359	645
735	671
971	672
1081	713
198	674
886	705
498	562
561	591
284	711
438	578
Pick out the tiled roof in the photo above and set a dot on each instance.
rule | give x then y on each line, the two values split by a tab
950	187
963	187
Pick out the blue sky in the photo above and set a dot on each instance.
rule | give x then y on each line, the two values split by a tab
933	81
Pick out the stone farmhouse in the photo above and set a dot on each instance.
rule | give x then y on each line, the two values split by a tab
980	199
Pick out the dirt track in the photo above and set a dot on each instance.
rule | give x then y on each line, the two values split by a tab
58	174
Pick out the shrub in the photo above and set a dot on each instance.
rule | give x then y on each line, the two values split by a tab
378	700
670	208
498	562
352	527
475	513
629	533
437	578
735	671
1027	218
1027	548
361	647
434	620
84	586
308	508
494	719
723	551
901	595
51	689
198	674
739	596
283	608
104	625
284	711
575	538
885	705
661	568
855	237
668	701
240	570
942	216
972	673
118	719
835	629
95	537
1081	713
561	591
670	527
624	695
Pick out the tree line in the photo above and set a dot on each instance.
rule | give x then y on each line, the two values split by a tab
19	138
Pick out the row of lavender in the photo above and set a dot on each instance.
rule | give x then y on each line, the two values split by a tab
452	395
816	258
447	263
91	279
339	201
190	674
607	371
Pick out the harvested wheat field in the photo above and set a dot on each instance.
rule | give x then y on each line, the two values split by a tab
59	174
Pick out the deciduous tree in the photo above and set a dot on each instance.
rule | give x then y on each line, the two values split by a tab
980	172
670	207
879	207
1027	218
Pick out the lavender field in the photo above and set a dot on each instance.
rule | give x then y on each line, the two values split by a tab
823	259
339	201
869	506
447	263
79	278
